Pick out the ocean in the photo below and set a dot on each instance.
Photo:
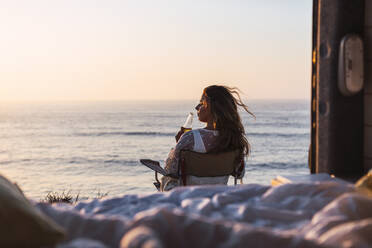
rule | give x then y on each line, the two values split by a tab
93	148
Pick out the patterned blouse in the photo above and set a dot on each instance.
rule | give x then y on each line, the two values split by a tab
187	142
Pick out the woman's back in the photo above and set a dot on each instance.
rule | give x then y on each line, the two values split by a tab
205	140
198	140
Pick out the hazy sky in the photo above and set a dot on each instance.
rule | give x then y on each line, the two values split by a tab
153	49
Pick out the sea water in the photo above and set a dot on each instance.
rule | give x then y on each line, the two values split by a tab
94	148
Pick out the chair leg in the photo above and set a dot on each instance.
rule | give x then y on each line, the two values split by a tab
157	183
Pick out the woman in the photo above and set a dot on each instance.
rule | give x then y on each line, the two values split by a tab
224	131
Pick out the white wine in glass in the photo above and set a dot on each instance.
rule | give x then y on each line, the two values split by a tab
188	123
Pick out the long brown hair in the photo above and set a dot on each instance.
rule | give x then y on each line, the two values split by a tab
224	109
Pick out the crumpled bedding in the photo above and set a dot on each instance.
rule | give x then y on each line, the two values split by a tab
318	214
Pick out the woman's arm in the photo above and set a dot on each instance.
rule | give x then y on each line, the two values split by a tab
186	142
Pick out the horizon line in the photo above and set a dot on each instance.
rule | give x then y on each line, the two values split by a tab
141	100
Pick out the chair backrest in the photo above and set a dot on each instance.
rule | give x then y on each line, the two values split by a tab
209	164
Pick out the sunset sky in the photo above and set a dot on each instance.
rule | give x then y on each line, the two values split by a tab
85	50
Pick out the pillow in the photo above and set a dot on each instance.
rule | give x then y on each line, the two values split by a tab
21	224
364	184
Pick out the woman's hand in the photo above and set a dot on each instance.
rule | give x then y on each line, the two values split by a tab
179	134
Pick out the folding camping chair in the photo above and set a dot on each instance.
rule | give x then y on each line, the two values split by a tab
210	165
201	165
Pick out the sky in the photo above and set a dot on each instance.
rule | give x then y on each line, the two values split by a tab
89	50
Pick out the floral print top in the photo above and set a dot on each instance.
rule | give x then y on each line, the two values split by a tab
186	142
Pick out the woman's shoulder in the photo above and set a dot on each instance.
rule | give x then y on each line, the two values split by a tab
186	141
187	136
204	131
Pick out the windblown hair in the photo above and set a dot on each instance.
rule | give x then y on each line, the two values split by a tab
224	109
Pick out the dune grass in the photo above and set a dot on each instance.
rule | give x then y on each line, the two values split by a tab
68	197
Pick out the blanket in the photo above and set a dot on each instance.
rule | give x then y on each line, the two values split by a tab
316	214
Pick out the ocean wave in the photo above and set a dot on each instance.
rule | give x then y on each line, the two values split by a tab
278	134
275	165
6	162
123	162
139	133
71	161
100	161
144	133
